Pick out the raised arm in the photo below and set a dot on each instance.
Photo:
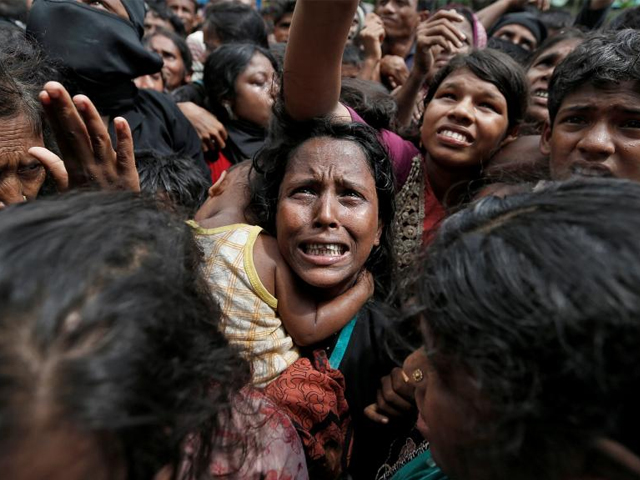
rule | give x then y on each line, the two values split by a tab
313	61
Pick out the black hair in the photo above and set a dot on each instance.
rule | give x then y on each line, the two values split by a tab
516	52
556	19
537	298
352	55
236	23
280	8
23	72
160	10
628	18
271	163
178	41
603	60
566	34
178	178
221	69
496	68
108	327
371	100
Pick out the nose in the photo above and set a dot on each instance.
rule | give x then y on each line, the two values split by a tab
462	111
326	213
597	144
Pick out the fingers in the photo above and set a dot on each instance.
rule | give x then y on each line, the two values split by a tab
98	134
54	165
68	127
372	413
126	170
392	392
440	30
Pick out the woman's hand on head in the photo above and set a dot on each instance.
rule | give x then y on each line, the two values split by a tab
394	69
372	35
89	159
438	30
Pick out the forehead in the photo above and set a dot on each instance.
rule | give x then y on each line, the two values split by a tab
16	135
561	49
624	95
467	82
329	156
188	4
258	63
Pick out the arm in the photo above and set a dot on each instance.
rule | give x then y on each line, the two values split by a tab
309	322
211	132
489	15
313	60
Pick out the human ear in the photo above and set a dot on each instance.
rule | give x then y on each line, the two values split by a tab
545	139
217	188
509	137
376	242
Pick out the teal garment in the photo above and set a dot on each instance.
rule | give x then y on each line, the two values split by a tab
420	468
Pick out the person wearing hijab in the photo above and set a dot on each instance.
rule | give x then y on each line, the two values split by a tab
521	28
100	50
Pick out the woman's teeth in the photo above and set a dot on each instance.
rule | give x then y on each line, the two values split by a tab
324	250
455	135
542	93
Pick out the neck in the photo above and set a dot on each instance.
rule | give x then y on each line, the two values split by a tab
398	46
449	184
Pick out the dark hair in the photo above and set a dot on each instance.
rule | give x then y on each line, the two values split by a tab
566	34
371	100
352	55
221	69
178	41
160	10
556	19
270	165
23	72
516	52
236	23
628	18
280	8
537	297
177	177
112	331
603	60
496	68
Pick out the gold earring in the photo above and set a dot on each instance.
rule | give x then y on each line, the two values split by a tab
417	375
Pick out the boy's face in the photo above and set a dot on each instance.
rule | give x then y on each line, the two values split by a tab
596	133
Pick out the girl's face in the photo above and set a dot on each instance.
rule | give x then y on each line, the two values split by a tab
540	72
255	91
173	69
327	215
465	122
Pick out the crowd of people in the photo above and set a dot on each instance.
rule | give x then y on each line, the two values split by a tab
319	239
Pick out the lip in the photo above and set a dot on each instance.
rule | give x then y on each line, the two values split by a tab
591	169
542	101
454	142
323	260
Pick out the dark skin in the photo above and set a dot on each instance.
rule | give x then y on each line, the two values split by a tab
305	319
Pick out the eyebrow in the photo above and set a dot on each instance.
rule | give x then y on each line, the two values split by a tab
546	57
580	108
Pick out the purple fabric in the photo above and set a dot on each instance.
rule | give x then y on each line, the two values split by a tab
401	151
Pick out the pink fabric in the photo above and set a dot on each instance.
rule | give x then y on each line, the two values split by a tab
261	442
401	151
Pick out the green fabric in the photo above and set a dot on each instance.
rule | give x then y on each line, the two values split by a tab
420	468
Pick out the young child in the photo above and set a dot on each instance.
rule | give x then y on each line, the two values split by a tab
268	314
594	110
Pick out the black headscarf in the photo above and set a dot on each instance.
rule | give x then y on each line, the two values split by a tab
100	52
527	20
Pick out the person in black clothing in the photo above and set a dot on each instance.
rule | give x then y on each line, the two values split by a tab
101	52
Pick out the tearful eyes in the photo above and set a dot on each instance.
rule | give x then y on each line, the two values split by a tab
30	170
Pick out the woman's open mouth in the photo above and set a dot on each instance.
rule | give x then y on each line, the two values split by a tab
455	138
324	253
541	96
